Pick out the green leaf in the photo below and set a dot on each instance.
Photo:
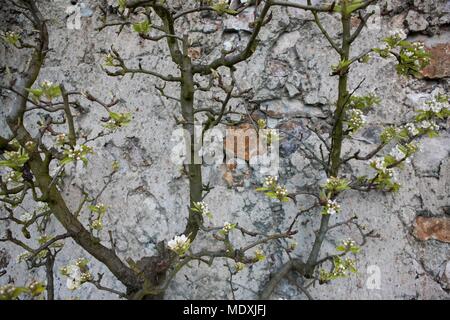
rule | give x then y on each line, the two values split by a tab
11	292
118	120
354	249
53	92
222	8
15	160
271	194
37	289
142	27
36	92
122	4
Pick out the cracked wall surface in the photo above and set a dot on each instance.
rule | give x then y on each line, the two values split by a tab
289	73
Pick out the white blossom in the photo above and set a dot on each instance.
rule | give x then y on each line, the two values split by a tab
348	243
203	208
73	277
179	244
413	131
426	124
27	216
46	84
227	227
419	45
379	164
332	207
281	192
270	180
356	119
434	106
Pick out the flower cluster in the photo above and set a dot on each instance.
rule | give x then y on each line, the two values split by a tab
11	37
348	246
273	190
11	292
379	164
411	57
97	224
355	119
437	105
61	139
412	129
117	120
77	273
36	288
239	266
99	210
432	112
179	244
46	89
428	125
259	255
341	269
29	145
202	208
332	207
281	192
77	153
14	159
227	227
384	178
12	176
335	185
388	134
270	181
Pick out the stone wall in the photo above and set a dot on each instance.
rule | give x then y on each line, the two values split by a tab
290	76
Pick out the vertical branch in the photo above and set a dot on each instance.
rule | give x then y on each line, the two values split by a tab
49	264
69	116
195	169
337	134
29	76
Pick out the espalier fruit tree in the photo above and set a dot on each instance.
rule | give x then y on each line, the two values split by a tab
34	161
